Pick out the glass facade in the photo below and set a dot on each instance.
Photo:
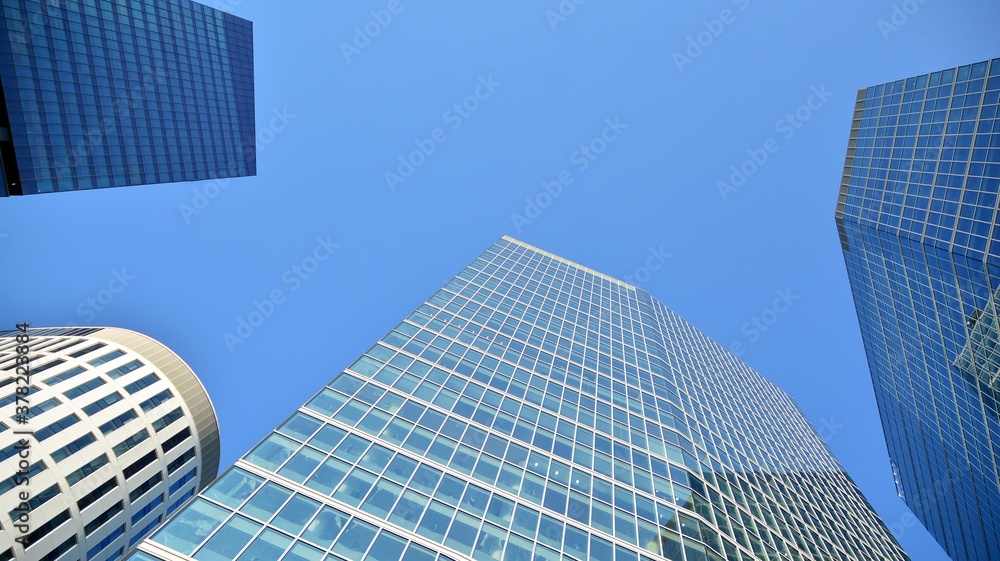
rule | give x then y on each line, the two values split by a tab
916	216
109	93
535	409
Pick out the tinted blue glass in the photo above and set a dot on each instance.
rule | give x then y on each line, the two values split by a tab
100	94
916	217
581	416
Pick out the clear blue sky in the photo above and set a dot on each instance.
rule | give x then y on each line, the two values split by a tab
333	120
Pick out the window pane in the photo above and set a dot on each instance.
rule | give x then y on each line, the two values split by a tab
303	552
442	450
463	533
382	498
533	488
475	500
229	540
352	448
435	521
355	540
327	402
450	490
550	532
649	538
388	547
408	510
376	458
266	502
302	464
401	469
576	542
418	553
374	422
296	514
233	488
269	545
625	526
500	511
328	438
300	426
328	476
353	490
194	524
519	549
425	479
510	478
489	546
396	431
324	529
272	452
525	521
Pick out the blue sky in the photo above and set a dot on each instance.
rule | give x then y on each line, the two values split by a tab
616	107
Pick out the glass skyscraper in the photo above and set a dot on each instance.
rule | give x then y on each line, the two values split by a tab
535	409
917	217
121	434
108	93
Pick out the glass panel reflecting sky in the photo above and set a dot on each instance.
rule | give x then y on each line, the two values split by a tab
103	94
916	216
535	409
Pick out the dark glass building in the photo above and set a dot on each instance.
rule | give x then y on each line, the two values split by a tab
113	93
534	409
917	217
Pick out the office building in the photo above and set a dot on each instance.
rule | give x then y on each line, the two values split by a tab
535	409
122	433
916	216
110	94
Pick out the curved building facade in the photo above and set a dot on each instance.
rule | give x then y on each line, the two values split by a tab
534	409
117	434
919	223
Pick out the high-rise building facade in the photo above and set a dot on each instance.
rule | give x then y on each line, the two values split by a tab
917	211
121	434
535	409
113	93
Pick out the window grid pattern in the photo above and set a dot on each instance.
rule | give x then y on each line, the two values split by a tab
108	94
917	216
80	458
533	409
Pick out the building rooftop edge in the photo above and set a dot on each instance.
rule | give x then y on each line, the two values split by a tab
570	262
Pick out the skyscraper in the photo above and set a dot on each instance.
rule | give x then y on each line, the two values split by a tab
108	94
535	409
916	215
122	433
